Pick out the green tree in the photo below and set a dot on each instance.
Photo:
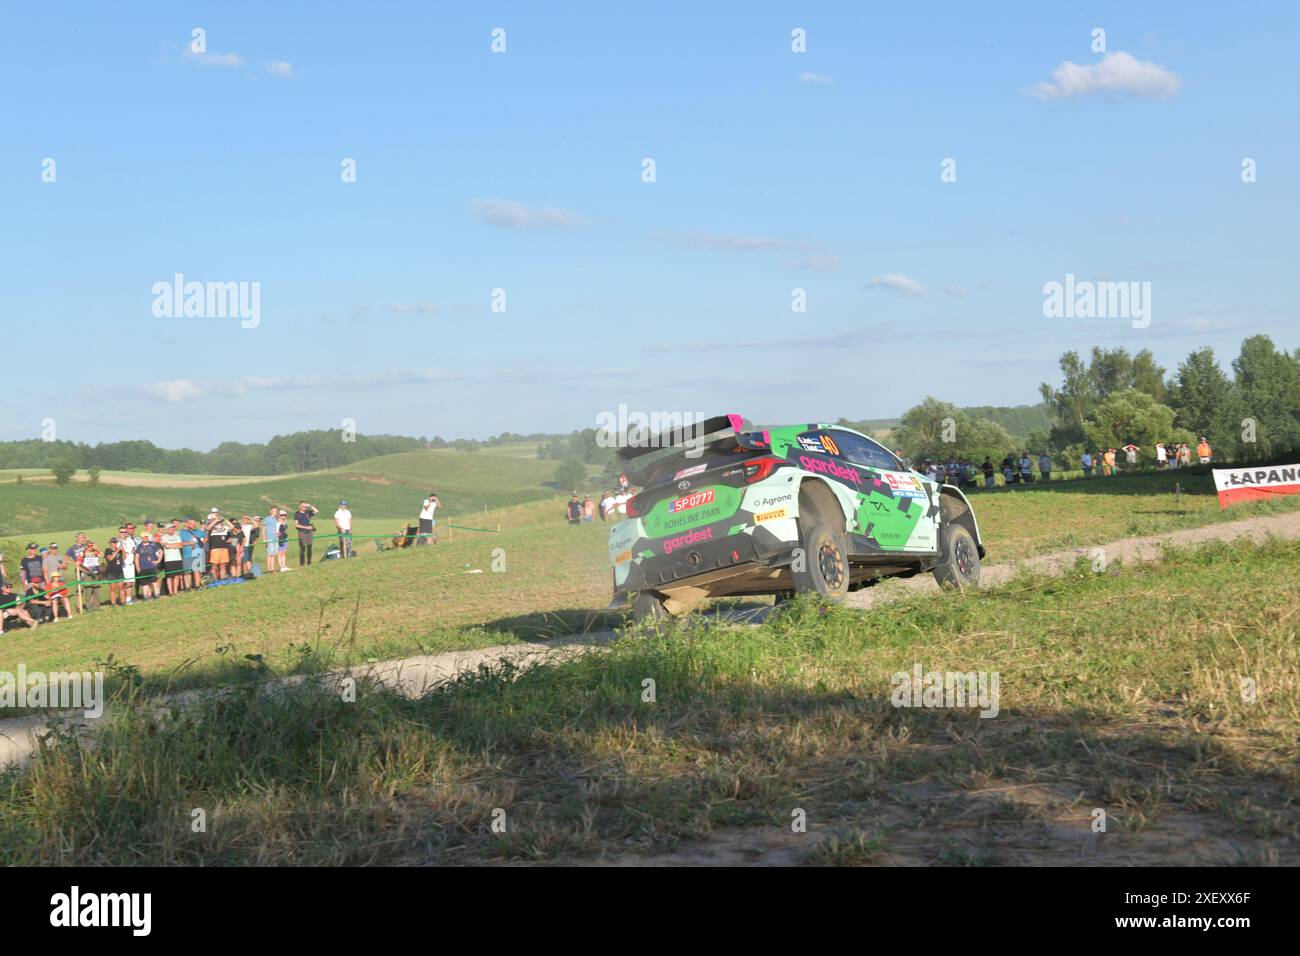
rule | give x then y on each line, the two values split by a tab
936	429
1201	396
571	474
1266	403
1133	416
63	470
93	472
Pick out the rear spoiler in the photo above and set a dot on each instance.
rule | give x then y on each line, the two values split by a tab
719	432
697	432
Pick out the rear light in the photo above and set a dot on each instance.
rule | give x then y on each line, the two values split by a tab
633	510
759	468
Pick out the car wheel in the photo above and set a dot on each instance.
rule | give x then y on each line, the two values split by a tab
826	561
648	606
961	566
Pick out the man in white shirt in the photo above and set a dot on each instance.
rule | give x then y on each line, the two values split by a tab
343	521
427	523
607	507
128	543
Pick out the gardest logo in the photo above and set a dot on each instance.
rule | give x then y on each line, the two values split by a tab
685	540
829	468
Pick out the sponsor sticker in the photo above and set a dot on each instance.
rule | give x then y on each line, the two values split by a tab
812	443
685	540
687	502
769	516
687	472
623	556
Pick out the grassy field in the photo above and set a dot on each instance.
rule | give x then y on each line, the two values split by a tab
556	581
1099	710
389	487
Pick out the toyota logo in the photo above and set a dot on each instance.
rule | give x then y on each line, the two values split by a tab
683	484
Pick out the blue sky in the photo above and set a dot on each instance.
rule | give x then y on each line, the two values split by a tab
521	171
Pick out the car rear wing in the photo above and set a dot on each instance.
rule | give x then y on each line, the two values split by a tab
722	433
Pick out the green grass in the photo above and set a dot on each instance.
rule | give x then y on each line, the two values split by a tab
556	581
390	487
1099	709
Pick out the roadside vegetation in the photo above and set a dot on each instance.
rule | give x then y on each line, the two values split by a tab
1124	692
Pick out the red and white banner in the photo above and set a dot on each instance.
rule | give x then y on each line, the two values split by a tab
1243	484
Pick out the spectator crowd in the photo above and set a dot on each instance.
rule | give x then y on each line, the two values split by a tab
166	559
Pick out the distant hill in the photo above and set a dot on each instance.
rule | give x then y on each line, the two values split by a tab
1018	420
389	486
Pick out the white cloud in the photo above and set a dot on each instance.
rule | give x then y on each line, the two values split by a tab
214	59
897	283
815	79
282	69
185	390
740	243
418	308
173	390
514	215
1114	73
817	264
956	291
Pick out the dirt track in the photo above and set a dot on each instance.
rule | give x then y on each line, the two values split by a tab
414	675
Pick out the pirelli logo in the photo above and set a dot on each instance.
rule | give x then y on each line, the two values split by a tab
769	516
623	556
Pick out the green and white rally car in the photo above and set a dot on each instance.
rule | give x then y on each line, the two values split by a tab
732	510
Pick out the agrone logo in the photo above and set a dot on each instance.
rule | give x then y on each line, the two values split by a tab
687	502
685	540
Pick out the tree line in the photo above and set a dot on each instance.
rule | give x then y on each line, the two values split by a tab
1112	398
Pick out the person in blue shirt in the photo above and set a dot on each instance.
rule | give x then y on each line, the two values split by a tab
192	556
271	535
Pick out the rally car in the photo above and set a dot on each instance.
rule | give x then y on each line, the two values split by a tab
727	509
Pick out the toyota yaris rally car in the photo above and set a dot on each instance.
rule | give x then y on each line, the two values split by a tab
726	509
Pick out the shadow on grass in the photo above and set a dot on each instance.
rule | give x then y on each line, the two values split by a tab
584	760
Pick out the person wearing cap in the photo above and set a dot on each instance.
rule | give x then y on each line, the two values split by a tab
343	521
11	606
427	521
573	510
31	567
306	531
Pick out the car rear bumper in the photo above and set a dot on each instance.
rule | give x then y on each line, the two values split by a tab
699	564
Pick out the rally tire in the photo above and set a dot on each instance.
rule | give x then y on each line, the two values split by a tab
961	563
825	568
